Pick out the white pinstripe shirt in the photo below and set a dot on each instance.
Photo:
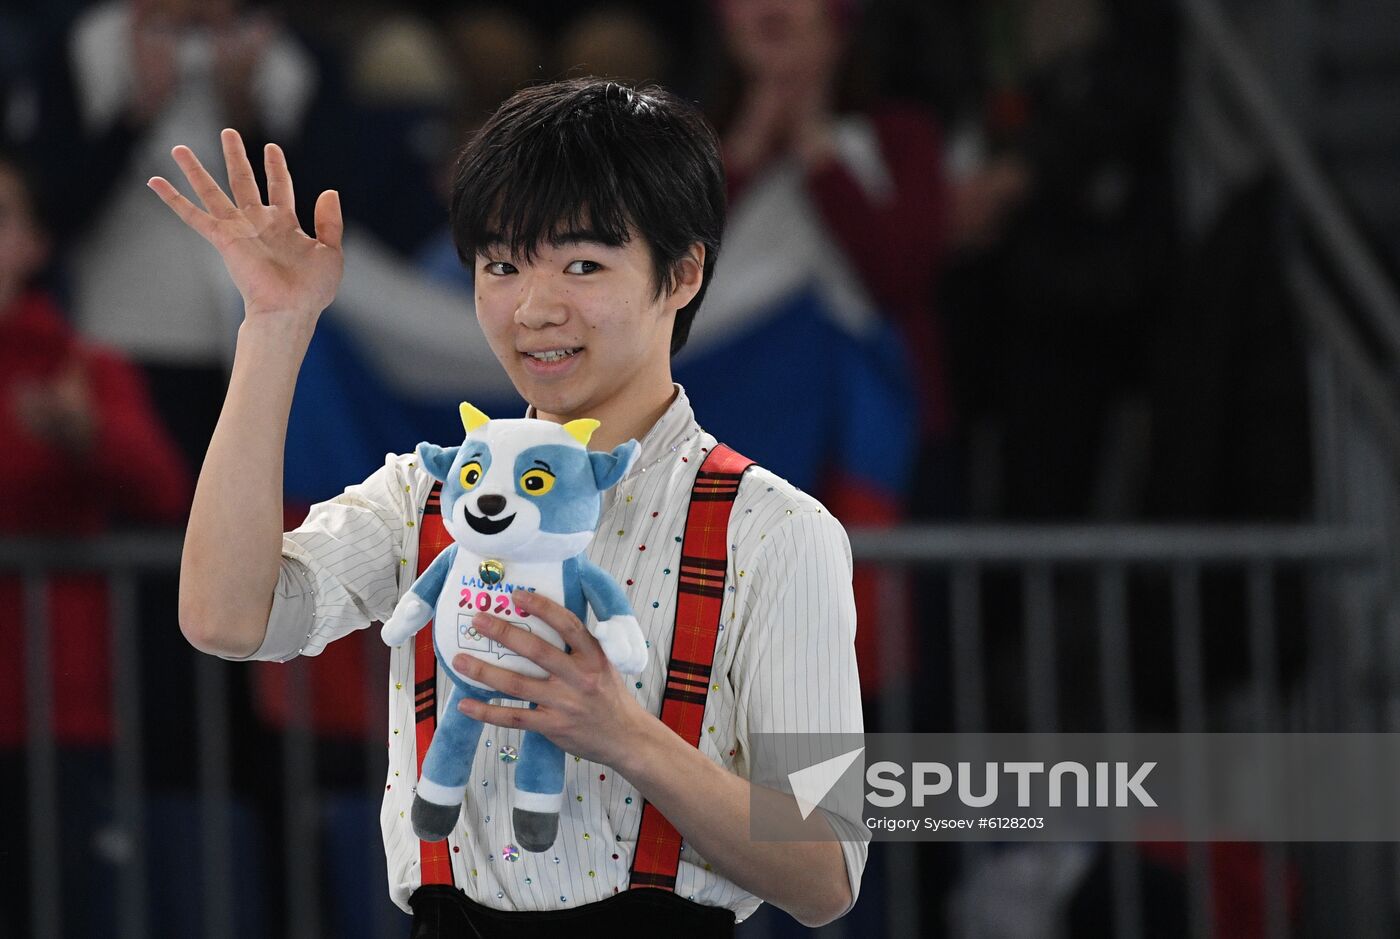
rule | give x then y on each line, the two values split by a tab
784	662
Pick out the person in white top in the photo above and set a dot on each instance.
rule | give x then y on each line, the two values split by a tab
170	71
592	213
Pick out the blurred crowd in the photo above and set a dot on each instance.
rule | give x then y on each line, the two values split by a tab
953	275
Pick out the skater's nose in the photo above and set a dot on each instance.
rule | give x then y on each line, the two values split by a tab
491	505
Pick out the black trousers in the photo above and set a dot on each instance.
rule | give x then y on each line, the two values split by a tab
443	912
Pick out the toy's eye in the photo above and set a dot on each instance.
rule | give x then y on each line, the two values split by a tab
471	475
537	482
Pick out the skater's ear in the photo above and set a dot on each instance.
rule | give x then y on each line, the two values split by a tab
437	461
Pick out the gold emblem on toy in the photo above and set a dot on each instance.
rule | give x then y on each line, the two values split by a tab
492	572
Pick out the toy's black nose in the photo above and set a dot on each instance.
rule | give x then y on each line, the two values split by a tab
491	505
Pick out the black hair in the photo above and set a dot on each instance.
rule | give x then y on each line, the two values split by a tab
600	156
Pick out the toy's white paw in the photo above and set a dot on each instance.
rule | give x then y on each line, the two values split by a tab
408	617
623	644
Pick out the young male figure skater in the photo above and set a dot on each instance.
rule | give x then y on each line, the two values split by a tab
592	214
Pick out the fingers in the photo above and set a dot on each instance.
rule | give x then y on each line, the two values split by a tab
279	178
565	623
329	226
500	715
203	184
503	680
548	657
184	208
241	181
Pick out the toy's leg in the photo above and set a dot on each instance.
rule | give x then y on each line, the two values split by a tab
539	792
445	769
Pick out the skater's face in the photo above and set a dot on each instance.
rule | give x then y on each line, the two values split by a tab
581	325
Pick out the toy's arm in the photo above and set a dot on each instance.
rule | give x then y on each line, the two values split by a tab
617	630
416	607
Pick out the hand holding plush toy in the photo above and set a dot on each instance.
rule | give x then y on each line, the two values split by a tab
520	499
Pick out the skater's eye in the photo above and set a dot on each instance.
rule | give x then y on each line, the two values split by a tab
471	475
536	482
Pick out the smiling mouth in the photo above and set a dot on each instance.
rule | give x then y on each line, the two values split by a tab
487	526
554	355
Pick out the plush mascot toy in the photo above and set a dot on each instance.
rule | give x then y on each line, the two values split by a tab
520	499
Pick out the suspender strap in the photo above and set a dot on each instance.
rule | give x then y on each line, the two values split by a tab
435	859
700	596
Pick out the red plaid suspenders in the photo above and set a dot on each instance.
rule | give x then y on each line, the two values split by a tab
436	861
704	559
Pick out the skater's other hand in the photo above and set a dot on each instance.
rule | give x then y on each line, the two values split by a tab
584	706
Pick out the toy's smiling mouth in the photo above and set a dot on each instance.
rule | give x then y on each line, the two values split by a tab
487	526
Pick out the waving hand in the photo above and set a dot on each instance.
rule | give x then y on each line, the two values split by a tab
276	266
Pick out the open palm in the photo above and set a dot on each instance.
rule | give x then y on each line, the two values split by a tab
275	265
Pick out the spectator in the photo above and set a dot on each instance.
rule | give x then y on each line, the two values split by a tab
402	89
832	245
871	170
136	77
83	448
496	51
1051	317
613	43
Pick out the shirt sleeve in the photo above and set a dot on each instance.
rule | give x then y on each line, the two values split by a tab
340	568
794	669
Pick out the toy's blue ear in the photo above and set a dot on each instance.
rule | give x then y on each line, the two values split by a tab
608	468
437	460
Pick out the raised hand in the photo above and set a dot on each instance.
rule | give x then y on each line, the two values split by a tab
276	266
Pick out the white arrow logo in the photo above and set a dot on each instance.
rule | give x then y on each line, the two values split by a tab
810	785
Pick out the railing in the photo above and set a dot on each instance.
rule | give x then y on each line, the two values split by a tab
1233	124
1332	697
1049	567
122	561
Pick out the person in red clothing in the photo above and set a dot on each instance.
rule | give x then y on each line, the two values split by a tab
82	448
875	174
874	168
872	175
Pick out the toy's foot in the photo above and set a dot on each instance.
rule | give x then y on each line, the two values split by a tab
535	831
433	822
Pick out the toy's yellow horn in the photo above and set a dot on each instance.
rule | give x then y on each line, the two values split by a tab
582	429
471	417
